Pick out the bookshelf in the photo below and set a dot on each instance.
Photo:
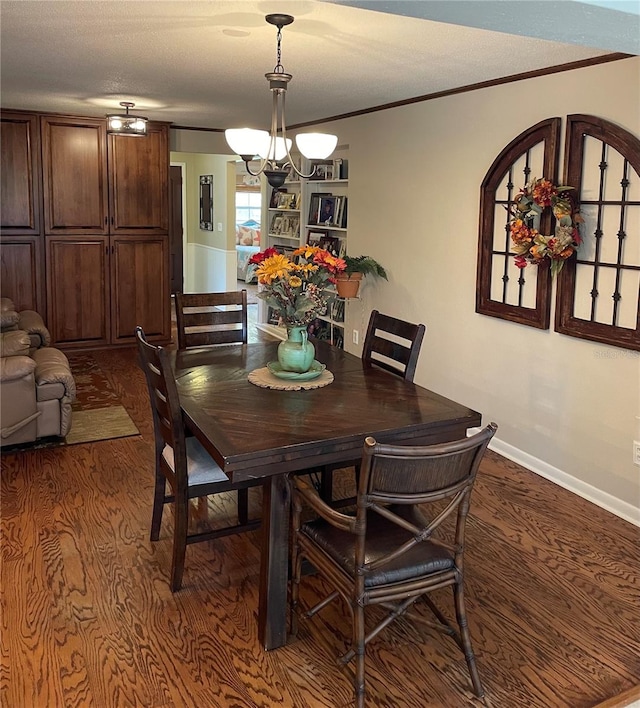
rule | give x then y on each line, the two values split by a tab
313	211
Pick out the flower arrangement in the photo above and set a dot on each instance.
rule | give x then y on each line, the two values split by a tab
530	246
296	288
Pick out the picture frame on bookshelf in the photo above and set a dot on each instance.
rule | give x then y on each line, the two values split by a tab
324	170
331	244
328	210
288	200
276	225
314	207
275	197
290	226
314	237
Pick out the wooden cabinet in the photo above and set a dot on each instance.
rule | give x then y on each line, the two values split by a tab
84	232
21	246
20	170
139	182
78	290
139	286
74	162
21	271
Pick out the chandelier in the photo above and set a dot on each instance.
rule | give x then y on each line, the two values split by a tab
273	149
125	124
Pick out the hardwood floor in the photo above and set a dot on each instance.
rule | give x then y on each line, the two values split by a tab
88	618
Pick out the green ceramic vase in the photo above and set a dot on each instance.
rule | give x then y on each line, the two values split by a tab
296	353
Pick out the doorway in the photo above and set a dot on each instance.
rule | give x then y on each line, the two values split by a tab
176	228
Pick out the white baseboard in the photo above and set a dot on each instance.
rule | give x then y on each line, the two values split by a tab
616	506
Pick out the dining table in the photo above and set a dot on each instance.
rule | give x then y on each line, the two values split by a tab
254	432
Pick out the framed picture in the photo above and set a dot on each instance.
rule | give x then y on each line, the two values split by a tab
328	210
331	244
314	207
314	237
275	198
287	200
206	202
324	169
276	225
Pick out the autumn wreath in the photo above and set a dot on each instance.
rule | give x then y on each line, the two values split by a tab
530	246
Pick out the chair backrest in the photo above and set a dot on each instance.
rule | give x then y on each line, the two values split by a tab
168	425
211	318
383	345
442	475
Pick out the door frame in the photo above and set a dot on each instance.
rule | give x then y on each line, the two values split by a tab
186	276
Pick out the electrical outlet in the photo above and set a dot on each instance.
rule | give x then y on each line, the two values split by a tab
636	452
356	338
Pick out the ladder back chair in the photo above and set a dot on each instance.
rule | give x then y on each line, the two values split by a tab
211	318
382	348
391	552
182	463
393	345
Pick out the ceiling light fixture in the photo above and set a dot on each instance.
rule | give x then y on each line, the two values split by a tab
273	149
125	124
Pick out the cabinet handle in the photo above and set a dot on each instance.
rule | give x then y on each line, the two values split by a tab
106	220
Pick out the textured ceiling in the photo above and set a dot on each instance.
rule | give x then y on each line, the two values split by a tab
202	64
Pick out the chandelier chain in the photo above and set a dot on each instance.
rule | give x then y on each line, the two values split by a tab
278	68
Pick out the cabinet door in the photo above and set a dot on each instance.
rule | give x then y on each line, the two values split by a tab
75	175
22	271
139	182
20	170
140	287
78	290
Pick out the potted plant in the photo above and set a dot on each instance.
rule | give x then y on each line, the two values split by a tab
348	282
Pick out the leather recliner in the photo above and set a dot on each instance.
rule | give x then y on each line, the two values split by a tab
36	384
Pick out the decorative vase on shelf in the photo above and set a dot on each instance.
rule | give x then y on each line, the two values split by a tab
296	352
347	285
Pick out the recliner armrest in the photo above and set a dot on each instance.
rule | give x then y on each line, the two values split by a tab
13	368
14	343
32	323
52	366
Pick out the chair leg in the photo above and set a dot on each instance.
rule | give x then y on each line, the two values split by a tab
296	568
326	484
465	636
158	506
180	523
359	648
243	506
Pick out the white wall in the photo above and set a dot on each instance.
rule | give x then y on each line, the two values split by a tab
565	405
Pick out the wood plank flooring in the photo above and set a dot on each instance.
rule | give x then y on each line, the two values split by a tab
88	619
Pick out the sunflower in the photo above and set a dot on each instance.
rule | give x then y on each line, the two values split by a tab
272	268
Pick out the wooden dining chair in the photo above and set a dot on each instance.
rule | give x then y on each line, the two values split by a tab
211	318
182	463
393	345
392	552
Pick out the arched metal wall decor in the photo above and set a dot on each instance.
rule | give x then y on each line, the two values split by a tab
599	291
503	290
598	295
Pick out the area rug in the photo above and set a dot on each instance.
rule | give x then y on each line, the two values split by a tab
97	413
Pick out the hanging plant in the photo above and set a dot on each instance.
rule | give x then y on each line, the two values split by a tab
529	245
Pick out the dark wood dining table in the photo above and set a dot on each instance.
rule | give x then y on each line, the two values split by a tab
261	433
